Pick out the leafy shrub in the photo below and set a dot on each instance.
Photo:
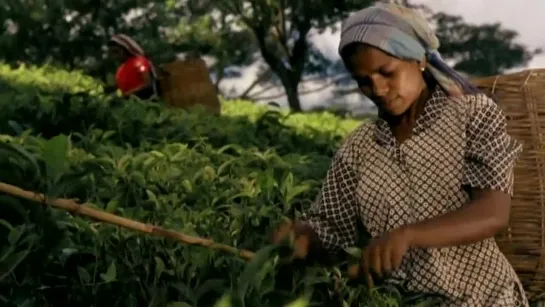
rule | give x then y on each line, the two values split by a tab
230	178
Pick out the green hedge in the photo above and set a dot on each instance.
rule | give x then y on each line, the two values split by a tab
230	178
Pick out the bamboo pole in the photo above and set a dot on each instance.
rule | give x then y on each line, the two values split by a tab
87	210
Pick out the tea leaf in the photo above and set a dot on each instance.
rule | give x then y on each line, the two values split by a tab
55	157
110	274
354	251
11	262
15	234
300	302
215	285
159	267
84	275
252	270
224	301
112	206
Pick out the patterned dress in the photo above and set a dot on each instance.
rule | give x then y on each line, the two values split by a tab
456	142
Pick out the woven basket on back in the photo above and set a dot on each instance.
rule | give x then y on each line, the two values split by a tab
522	98
187	83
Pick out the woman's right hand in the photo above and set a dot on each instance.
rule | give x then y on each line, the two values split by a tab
297	234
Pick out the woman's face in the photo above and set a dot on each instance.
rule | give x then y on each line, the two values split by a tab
392	84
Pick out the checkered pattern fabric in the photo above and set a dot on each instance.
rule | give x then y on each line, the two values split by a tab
456	142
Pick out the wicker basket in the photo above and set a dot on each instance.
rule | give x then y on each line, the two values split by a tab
522	97
186	83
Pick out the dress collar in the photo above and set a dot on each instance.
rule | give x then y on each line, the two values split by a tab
432	110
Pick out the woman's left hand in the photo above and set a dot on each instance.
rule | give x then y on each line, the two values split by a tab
385	253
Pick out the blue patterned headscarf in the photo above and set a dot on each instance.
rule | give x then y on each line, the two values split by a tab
405	34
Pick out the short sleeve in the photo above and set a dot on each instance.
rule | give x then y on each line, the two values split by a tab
491	152
333	215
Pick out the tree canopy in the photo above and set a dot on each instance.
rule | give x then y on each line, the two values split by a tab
234	33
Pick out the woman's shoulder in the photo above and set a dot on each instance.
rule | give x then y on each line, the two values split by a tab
362	133
478	107
482	115
356	142
477	102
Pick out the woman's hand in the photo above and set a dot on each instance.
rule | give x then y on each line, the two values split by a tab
384	254
299	234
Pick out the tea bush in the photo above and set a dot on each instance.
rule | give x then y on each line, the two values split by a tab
230	178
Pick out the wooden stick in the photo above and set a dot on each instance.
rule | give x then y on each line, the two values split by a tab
85	209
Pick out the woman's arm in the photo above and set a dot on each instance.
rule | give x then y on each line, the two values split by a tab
482	218
490	155
330	224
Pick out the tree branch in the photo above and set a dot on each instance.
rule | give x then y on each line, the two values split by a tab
300	49
266	74
274	62
87	210
280	26
262	91
301	93
347	92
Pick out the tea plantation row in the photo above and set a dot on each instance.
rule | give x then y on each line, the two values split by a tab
231	179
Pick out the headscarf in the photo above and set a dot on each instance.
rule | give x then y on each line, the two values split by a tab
403	33
127	43
133	48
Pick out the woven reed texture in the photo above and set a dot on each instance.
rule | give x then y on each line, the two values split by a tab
187	83
522	98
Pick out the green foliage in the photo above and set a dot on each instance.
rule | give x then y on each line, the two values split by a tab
280	29
217	36
47	79
231	178
232	32
74	33
480	50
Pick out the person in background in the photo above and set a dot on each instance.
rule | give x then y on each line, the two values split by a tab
430	179
136	75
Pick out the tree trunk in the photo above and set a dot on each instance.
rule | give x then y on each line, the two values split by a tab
289	76
290	86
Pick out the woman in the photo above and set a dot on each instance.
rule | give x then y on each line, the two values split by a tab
431	178
136	76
